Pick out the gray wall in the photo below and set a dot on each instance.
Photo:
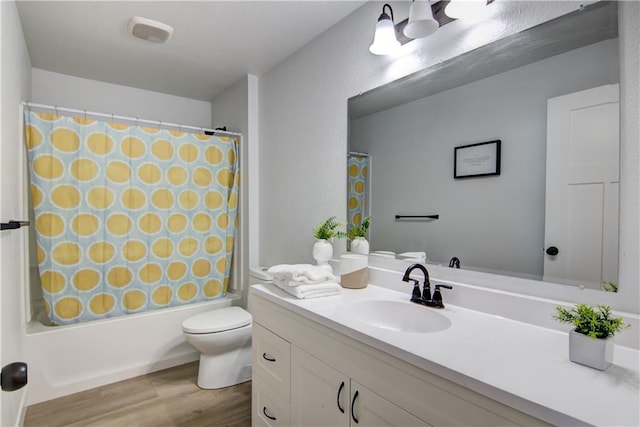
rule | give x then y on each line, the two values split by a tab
494	223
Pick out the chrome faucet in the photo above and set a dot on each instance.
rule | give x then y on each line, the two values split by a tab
425	298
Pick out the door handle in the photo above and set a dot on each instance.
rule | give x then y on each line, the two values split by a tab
552	250
353	403
270	359
13	376
338	397
264	411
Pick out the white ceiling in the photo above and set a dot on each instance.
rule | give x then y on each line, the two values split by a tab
214	43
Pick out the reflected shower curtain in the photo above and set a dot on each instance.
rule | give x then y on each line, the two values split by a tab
129	218
357	199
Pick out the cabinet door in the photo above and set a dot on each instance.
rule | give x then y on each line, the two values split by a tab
319	393
366	408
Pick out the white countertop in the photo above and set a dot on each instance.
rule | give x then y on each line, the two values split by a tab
521	365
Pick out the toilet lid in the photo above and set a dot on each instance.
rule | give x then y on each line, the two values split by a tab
219	320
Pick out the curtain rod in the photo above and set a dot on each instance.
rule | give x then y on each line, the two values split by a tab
129	119
355	153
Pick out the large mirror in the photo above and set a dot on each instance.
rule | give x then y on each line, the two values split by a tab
549	95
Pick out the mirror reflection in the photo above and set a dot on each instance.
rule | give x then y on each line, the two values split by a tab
550	96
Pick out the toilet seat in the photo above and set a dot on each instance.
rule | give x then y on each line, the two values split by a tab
219	320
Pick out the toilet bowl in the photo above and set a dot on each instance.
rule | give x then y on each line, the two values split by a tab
223	338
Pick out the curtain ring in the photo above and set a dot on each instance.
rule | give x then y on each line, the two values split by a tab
55	107
111	117
85	114
137	121
180	128
202	130
159	124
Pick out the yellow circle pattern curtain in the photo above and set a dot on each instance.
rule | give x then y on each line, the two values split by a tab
357	200
129	218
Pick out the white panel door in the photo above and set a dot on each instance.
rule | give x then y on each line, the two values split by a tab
581	213
319	393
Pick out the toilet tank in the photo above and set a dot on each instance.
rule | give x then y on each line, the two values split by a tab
257	275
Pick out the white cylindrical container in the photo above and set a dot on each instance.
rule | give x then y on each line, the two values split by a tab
354	271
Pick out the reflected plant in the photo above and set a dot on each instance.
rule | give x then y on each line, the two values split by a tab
360	230
609	286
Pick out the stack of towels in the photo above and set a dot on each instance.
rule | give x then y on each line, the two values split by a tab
304	280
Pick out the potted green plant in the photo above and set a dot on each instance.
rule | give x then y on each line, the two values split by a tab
324	233
358	233
591	342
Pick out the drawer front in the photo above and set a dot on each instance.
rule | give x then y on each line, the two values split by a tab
269	408
272	360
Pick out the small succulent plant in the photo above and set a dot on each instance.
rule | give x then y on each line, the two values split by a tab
593	322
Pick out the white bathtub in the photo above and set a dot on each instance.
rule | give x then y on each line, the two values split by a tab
67	359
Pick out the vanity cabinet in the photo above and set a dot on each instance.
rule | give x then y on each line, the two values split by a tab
308	374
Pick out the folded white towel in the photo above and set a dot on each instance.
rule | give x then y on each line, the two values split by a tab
316	290
413	256
303	273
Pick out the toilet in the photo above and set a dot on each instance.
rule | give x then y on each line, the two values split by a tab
223	338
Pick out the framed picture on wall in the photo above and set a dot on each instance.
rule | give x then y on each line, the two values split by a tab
481	159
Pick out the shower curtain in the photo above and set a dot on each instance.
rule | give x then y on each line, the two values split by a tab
129	218
357	199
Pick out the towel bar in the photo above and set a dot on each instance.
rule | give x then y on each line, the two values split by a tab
12	225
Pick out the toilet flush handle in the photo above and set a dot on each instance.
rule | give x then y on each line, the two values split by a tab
270	359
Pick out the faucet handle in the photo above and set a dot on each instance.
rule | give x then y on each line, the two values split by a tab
415	294
437	296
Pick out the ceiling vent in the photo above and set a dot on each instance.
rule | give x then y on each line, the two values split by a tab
147	29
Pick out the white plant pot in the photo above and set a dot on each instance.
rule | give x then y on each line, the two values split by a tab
322	251
360	245
595	353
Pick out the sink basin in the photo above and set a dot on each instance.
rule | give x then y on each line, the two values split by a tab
397	316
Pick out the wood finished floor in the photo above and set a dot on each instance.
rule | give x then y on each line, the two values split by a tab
164	398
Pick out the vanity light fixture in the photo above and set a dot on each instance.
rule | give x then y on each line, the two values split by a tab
421	21
424	19
466	9
384	39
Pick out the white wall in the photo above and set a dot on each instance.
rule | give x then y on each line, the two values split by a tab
303	114
75	92
303	126
412	149
236	108
15	86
